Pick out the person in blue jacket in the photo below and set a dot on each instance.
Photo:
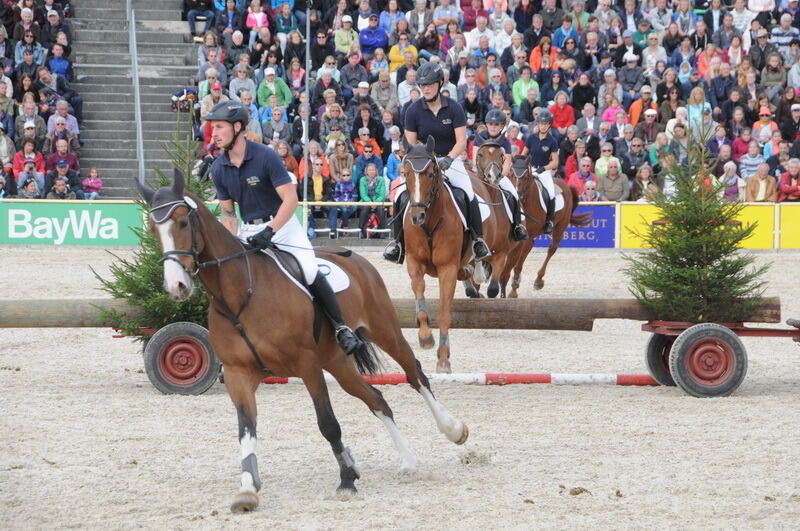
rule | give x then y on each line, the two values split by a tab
372	37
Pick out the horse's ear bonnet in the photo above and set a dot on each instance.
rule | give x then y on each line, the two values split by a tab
519	166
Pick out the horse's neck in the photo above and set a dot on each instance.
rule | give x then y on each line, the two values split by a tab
531	201
220	243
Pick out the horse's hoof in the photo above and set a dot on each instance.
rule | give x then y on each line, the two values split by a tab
427	342
472	293
346	493
464	435
244	502
492	293
443	367
538	285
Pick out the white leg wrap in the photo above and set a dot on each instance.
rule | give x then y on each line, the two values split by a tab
408	461
452	428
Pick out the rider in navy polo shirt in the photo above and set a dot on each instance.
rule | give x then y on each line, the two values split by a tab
253	176
543	150
493	134
443	119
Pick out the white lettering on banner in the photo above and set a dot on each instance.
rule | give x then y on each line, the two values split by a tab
87	225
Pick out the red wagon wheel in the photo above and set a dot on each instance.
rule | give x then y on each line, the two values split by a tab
708	360
179	359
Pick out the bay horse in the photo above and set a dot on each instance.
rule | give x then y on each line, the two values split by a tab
525	180
436	242
261	324
489	166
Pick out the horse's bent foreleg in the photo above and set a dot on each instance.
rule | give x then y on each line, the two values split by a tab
330	429
539	283
417	273
241	388
351	381
447	287
455	430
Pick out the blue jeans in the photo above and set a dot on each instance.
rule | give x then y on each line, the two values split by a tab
337	213
192	17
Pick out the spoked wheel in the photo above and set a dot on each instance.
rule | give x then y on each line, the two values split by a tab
657	358
708	360
179	359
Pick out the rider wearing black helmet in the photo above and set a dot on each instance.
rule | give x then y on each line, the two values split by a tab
253	175
495	124
543	150
443	119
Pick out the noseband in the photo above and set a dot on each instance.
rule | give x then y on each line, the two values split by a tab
419	165
493	164
519	174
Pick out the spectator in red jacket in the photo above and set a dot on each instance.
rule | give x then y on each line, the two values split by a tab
584	174
28	152
741	145
563	113
789	185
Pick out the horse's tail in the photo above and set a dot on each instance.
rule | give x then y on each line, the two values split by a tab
584	219
366	357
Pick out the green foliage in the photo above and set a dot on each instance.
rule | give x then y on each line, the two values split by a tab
696	271
140	280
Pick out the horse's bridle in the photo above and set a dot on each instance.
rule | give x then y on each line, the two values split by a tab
492	164
419	165
218	303
519	175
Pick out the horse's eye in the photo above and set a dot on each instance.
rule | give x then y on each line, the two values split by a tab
183	224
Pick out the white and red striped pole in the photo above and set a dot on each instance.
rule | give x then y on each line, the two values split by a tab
488	378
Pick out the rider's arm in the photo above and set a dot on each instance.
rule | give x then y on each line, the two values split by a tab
288	195
229	219
411	136
553	166
507	164
461	143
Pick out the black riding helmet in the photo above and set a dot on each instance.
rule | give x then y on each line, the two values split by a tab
495	116
545	116
429	73
231	112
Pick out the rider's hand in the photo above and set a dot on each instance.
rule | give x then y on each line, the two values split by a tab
444	163
262	239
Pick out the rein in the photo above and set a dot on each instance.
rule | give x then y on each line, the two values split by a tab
433	194
529	181
218	303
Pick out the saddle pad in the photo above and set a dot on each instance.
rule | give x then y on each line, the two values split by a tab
559	198
508	207
460	214
335	275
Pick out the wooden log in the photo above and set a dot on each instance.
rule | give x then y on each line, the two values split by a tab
508	314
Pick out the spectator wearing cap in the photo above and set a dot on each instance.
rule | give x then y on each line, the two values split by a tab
373	36
760	50
27	153
384	93
60	190
764	121
61	151
626	47
790	128
63	172
345	37
361	98
631	78
352	74
214	97
30	131
273	85
53	27
29	188
60	132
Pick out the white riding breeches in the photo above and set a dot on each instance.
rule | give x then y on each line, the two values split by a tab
458	177
546	178
292	239
505	184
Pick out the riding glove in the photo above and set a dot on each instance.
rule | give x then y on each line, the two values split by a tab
262	239
444	163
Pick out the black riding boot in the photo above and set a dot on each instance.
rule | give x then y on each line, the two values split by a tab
345	336
394	251
551	212
518	231
479	246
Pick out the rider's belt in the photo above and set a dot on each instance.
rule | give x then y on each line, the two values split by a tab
257	221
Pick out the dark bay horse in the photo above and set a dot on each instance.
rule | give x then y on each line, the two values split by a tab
525	180
436	242
489	166
261	323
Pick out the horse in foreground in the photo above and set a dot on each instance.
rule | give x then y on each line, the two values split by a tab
261	323
529	189
437	243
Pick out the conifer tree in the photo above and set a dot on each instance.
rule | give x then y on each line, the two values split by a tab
695	270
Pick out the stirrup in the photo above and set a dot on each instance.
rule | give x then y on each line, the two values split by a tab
394	254
519	233
548	227
348	339
479	245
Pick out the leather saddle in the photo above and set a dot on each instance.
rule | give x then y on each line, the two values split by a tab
287	261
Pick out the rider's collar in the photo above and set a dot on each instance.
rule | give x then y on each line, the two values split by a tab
442	101
248	154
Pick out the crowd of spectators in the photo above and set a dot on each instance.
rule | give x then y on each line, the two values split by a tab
40	112
628	82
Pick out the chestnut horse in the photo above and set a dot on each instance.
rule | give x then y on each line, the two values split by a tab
525	180
489	165
436	242
261	323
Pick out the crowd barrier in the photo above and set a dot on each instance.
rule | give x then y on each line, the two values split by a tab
112	223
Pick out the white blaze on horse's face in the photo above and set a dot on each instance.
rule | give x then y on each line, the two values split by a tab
177	281
417	194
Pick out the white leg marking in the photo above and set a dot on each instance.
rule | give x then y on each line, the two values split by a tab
452	428
408	461
248	446
174	274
